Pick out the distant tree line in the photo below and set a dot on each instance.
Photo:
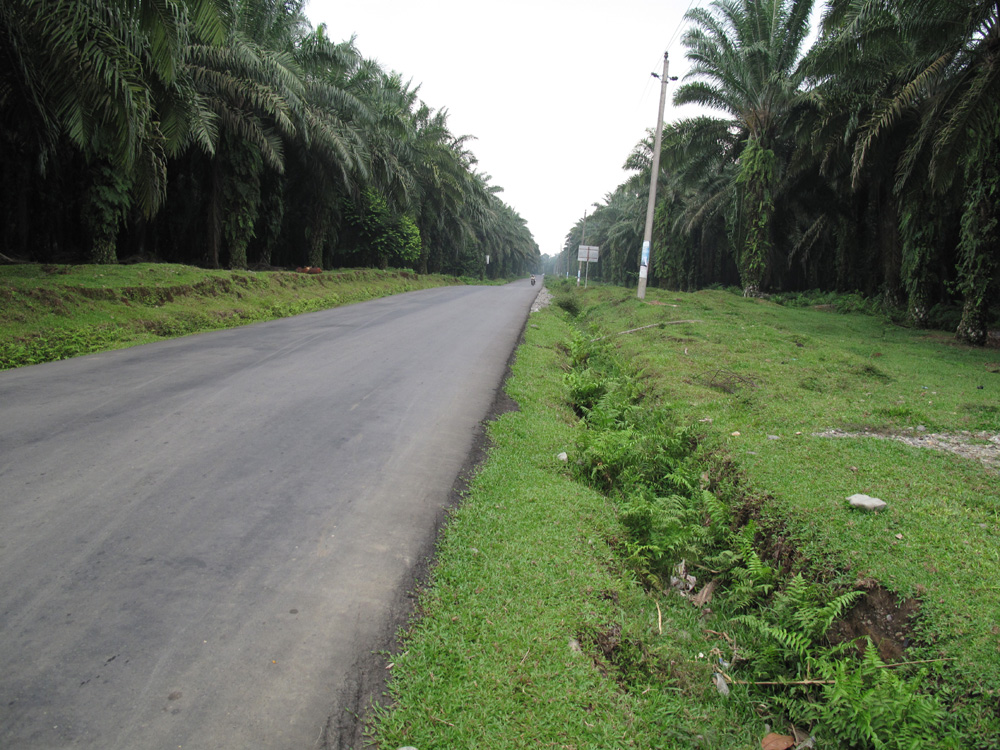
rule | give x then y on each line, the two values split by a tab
229	133
869	162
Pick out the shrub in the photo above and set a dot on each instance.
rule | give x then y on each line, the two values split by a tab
567	302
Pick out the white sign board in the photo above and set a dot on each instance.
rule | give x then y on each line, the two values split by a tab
588	253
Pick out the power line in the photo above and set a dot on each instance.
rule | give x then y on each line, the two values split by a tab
679	25
670	44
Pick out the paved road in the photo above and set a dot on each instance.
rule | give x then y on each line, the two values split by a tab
202	540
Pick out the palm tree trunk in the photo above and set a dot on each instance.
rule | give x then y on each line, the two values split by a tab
917	228
320	225
757	175
215	214
23	216
979	248
890	250
105	207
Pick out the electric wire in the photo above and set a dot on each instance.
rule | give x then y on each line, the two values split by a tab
670	44
679	25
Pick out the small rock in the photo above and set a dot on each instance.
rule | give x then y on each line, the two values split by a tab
563	457
720	684
735	434
866	502
773	437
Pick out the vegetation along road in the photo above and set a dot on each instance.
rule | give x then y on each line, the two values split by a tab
204	539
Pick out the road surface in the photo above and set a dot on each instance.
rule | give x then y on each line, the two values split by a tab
203	540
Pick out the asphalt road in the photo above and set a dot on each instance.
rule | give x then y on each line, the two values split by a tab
202	540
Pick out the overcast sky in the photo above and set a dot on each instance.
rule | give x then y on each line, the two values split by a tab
555	93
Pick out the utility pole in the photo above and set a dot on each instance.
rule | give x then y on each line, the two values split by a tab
583	241
647	236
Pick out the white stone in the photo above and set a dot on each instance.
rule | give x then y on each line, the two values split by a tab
563	457
720	684
866	502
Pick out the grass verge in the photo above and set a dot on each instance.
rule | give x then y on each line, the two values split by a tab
533	633
52	312
536	632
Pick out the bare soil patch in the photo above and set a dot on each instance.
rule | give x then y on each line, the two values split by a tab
881	616
979	446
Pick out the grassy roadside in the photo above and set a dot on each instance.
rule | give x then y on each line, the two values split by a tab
536	634
52	312
782	377
533	634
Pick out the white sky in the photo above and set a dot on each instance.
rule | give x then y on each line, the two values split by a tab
555	93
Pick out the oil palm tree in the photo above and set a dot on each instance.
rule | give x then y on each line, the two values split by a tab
93	79
943	59
745	57
91	72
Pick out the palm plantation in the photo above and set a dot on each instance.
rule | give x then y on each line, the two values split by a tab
866	163
229	134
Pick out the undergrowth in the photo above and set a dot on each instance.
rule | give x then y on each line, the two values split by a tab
775	623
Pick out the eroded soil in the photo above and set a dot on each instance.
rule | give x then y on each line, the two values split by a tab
881	616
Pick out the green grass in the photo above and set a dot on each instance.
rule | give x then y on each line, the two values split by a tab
532	559
55	312
792	373
533	634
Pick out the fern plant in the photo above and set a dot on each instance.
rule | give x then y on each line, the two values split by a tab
585	388
864	704
795	619
752	579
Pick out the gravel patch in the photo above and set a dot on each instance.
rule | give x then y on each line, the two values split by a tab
543	299
980	446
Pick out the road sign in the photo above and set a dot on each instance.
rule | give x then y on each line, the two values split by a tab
588	253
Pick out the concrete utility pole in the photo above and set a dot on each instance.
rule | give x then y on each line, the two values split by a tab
647	236
583	241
